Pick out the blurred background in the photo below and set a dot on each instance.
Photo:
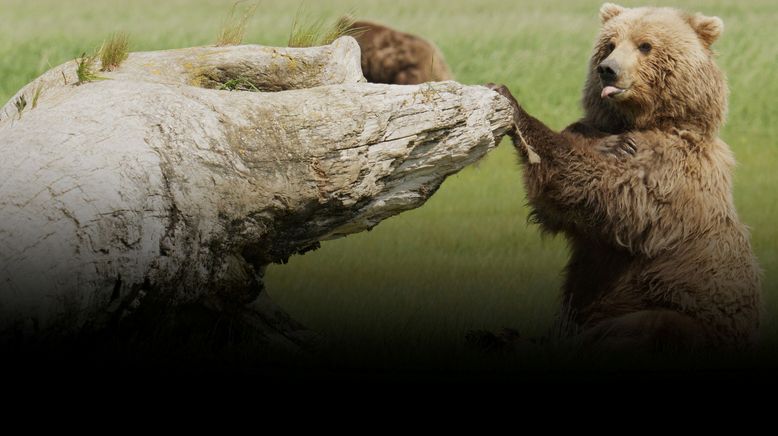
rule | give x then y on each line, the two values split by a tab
407	292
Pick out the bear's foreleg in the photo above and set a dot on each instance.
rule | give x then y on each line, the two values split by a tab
587	179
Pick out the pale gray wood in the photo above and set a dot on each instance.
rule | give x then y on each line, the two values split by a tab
148	188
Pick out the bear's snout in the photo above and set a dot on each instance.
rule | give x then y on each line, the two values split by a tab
608	71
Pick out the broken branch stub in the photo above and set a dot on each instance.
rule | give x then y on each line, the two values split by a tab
162	187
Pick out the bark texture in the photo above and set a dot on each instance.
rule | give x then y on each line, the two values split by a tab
164	187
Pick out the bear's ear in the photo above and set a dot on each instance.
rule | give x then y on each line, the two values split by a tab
608	11
708	28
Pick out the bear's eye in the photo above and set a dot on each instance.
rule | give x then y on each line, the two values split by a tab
645	48
610	47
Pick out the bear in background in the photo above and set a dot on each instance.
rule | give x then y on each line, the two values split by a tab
641	187
394	57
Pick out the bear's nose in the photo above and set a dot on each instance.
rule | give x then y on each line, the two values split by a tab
608	71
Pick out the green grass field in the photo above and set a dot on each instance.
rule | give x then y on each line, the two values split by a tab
467	259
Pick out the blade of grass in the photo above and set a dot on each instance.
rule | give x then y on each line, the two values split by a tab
20	104
305	33
37	95
308	33
114	51
239	84
234	27
343	27
85	69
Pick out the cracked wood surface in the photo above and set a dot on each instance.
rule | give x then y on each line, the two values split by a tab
149	187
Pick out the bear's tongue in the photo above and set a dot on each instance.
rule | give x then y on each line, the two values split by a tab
610	90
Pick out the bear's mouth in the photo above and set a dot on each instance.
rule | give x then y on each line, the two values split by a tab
612	91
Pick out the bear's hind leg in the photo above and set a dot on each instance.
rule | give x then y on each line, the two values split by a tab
647	331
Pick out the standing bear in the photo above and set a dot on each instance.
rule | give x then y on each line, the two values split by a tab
641	187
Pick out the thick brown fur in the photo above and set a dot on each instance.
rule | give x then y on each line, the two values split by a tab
394	57
641	187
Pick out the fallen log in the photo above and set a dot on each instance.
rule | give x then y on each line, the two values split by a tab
172	181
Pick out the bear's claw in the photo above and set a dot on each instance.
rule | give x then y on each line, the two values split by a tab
502	90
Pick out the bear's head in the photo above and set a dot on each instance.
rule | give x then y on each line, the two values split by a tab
654	68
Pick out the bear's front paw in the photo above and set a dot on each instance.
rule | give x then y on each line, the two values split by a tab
618	145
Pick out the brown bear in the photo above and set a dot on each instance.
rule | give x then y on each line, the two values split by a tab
641	187
394	57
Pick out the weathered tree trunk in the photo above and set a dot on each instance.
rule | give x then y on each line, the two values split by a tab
156	189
